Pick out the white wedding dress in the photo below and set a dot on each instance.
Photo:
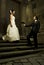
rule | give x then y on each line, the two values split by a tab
12	32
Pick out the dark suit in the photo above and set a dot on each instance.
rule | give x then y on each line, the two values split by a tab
35	29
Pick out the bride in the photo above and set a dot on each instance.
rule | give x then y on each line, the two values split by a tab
12	30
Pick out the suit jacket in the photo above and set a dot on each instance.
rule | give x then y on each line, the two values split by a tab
35	26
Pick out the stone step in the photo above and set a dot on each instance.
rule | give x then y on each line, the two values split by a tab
12	50
16	44
23	40
10	56
17	48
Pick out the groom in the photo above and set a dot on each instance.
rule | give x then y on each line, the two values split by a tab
34	31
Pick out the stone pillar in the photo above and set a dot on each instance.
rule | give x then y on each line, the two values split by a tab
3	14
23	19
26	17
3	8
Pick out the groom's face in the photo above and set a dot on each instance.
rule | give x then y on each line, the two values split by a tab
34	17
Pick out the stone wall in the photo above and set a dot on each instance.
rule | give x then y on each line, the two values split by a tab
39	10
26	17
35	7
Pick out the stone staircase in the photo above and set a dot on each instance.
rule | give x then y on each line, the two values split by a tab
19	49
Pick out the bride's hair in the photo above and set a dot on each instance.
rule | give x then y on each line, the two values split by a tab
12	10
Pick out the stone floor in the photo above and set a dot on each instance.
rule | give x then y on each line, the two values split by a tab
33	59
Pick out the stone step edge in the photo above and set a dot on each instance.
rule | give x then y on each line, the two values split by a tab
14	58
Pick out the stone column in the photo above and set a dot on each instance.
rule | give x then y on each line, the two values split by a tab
3	8
23	18
3	14
26	17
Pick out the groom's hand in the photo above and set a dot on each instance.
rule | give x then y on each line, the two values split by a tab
24	24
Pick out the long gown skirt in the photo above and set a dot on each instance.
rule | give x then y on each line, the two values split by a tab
12	34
